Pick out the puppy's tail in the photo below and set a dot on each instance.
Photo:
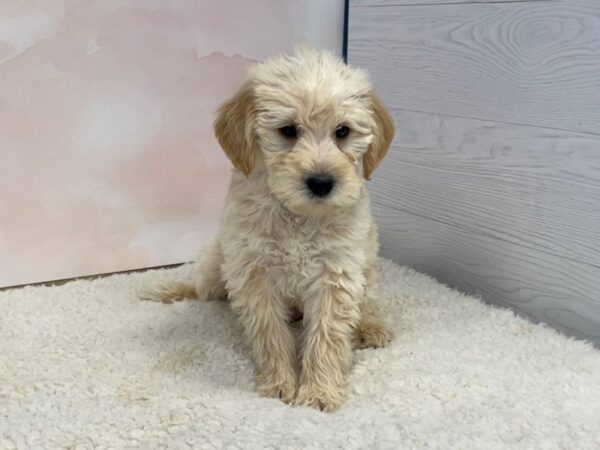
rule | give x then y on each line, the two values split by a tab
169	292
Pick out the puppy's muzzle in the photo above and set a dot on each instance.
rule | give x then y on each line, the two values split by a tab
320	185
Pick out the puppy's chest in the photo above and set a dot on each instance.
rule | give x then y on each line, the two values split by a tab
292	249
295	251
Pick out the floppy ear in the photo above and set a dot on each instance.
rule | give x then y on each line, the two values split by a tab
234	129
382	137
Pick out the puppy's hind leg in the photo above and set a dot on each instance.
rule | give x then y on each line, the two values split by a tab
371	330
207	283
168	292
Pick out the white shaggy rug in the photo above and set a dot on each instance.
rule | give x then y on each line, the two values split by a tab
88	365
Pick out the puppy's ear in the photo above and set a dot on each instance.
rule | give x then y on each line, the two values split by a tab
234	129
382	137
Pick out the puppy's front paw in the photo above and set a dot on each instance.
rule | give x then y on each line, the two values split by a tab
278	384
324	399
371	334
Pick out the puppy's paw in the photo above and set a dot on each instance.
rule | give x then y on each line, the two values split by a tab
324	399
277	384
371	334
168	292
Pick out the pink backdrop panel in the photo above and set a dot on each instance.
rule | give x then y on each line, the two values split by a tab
107	155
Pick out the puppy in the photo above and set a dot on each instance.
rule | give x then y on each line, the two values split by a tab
302	133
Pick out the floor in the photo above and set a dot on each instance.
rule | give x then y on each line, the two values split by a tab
88	365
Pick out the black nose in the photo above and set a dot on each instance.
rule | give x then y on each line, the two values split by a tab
320	185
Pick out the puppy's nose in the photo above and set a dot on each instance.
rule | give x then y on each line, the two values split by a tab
320	184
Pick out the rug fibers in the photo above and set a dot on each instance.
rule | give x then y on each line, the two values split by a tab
88	365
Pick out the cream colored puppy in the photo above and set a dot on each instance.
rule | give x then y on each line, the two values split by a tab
302	132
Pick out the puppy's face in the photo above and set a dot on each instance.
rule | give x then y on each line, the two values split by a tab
315	126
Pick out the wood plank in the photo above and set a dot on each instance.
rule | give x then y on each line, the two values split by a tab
534	63
558	291
367	3
533	187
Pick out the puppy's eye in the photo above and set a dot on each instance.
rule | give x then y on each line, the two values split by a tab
289	132
342	132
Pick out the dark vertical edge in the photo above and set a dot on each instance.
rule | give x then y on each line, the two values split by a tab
345	37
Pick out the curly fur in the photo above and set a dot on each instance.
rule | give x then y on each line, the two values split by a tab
282	250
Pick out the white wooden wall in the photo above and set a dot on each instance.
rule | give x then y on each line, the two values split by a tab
493	182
